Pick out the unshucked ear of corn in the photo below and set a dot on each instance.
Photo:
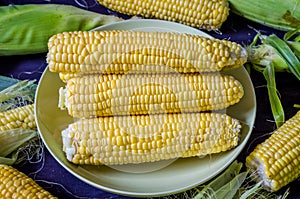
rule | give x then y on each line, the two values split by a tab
15	184
25	29
276	161
124	51
283	15
135	94
148	138
206	14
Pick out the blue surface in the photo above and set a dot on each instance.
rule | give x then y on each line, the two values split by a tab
53	177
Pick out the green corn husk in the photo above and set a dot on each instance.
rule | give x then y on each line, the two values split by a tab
14	93
233	183
6	82
25	29
10	141
275	55
286	53
216	187
294	45
266	59
276	106
279	14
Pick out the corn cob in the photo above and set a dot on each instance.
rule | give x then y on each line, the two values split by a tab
148	138
120	52
107	95
206	14
15	184
21	117
276	161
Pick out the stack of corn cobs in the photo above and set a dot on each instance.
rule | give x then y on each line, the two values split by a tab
145	96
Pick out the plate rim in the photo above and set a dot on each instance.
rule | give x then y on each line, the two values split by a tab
135	193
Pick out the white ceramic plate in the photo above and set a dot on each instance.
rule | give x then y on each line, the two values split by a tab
149	179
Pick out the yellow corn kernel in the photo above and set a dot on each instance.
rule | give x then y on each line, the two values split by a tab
165	136
66	76
276	161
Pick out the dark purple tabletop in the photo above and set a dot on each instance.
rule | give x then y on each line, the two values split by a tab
53	177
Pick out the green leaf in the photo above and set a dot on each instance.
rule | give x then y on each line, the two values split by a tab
251	191
275	102
15	93
288	35
285	52
229	190
297	39
9	160
255	39
295	46
280	14
6	82
11	140
26	29
18	89
264	54
220	181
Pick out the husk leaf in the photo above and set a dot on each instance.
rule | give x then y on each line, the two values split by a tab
279	14
25	29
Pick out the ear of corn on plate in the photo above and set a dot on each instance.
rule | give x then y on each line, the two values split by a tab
147	179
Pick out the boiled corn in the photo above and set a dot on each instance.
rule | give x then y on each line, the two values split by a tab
207	14
15	184
276	161
148	138
21	117
108	52
107	95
